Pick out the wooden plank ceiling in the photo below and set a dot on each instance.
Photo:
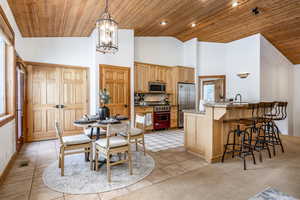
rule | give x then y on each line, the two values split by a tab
216	20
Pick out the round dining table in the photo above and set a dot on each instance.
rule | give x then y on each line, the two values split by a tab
98	126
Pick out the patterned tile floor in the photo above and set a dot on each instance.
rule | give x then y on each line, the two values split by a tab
25	183
163	140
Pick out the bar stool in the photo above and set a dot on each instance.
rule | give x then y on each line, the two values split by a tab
243	147
279	112
262	139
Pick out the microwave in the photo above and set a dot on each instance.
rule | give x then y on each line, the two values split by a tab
156	87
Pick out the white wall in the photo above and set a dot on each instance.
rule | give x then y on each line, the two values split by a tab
190	53
158	50
124	58
7	132
7	144
243	56
296	100
211	58
276	80
57	50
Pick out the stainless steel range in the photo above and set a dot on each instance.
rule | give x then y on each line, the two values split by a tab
161	117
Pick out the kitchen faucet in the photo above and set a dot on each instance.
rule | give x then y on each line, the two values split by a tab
236	97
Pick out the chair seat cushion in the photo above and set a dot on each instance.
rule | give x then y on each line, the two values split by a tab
115	141
134	132
76	139
88	131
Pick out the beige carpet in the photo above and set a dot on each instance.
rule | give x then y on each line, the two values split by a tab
229	181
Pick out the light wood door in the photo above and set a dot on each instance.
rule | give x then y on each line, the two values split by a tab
73	98
42	99
117	81
48	88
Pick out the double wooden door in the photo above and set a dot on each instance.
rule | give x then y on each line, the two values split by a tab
55	94
117	81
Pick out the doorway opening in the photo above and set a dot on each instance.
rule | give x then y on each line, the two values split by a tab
20	105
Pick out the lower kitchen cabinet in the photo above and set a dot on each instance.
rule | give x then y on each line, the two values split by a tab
174	113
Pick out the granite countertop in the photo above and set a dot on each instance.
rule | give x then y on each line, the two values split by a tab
193	112
226	104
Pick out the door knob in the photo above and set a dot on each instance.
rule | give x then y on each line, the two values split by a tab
125	105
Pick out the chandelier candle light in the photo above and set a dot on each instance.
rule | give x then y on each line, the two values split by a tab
107	37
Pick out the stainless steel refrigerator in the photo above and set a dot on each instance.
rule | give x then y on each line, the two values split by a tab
186	100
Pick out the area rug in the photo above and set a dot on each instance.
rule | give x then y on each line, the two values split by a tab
79	179
272	194
163	140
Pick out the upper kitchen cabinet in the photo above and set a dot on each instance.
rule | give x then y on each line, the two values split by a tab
152	73
170	86
186	74
141	77
145	73
161	74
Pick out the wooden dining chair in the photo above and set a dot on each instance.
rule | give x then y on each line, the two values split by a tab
136	133
112	145
74	144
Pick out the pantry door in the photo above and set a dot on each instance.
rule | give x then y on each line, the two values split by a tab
73	98
43	96
55	93
117	81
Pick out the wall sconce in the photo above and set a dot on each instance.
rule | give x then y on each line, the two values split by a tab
243	75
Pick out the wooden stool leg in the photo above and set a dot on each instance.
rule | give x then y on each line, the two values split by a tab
108	168
96	160
59	158
129	161
91	156
62	172
144	145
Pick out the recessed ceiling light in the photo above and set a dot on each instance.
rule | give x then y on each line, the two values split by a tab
235	4
193	25
163	23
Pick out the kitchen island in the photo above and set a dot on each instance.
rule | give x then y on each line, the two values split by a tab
206	132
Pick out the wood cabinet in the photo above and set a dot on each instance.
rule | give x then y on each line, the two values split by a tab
186	75
161	74
143	110
170	81
141	78
152	74
174	114
145	73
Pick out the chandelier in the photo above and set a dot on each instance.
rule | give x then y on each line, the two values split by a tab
107	33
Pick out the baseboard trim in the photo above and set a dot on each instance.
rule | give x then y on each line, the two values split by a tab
8	167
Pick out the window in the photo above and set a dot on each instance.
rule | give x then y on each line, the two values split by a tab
2	78
209	93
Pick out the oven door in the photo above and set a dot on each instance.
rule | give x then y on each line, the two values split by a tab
161	120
